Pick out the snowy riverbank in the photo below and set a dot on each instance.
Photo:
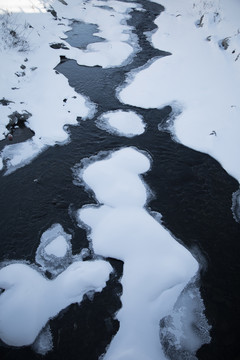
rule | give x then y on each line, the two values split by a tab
200	80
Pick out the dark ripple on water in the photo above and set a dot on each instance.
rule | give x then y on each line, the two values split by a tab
191	191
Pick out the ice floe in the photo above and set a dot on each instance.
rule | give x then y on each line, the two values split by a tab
29	299
54	252
123	123
156	266
201	77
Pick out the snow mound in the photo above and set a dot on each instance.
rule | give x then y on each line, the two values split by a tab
123	123
29	300
156	266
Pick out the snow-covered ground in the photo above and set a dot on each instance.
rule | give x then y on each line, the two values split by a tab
200	79
28	80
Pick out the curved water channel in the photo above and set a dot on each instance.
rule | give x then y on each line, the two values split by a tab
190	189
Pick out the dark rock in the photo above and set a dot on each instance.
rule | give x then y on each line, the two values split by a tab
20	73
5	102
59	46
224	43
17	119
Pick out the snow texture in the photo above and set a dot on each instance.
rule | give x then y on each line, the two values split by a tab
29	300
57	247
122	123
200	79
30	83
156	266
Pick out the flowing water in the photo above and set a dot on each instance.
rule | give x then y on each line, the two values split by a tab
190	189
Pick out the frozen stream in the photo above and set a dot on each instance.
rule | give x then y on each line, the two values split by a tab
190	189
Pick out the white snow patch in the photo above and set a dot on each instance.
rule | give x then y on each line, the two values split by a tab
29	81
156	266
119	44
199	75
123	123
57	247
29	300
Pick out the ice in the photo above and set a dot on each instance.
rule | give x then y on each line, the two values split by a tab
186	329
200	77
236	205
43	343
54	252
156	266
123	123
29	300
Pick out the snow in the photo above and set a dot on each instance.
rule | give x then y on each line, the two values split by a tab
30	82
122	123
30	300
156	266
119	43
200	79
57	247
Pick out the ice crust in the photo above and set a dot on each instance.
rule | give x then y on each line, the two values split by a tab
156	266
186	329
54	252
200	78
123	123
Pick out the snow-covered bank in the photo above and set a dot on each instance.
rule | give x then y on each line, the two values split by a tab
200	79
28	81
156	266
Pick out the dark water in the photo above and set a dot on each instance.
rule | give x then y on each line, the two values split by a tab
81	34
191	191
